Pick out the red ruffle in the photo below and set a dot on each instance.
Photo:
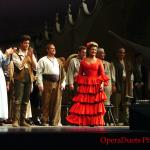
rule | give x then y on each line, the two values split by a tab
90	89
86	120
87	109
86	80
90	98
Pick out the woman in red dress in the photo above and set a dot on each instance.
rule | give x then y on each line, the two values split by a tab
88	108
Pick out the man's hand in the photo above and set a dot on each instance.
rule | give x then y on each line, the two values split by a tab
62	87
30	52
41	88
113	88
9	51
71	87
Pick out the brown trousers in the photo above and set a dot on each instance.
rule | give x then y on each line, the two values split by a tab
51	102
121	107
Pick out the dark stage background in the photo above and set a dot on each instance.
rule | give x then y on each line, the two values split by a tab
128	18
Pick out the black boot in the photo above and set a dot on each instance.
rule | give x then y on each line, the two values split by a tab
37	121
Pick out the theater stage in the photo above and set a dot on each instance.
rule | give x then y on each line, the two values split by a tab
37	137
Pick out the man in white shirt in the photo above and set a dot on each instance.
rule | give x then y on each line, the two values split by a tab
51	82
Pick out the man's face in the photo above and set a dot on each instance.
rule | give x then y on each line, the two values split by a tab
51	50
25	45
121	53
101	55
139	59
82	53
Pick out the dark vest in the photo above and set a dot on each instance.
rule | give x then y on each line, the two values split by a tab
119	75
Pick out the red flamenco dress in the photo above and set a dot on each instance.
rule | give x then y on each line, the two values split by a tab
88	108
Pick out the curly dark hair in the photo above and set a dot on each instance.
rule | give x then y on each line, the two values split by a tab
25	37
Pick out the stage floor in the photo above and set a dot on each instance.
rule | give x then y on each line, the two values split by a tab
38	136
7	128
72	137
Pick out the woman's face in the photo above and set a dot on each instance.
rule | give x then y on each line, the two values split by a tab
93	51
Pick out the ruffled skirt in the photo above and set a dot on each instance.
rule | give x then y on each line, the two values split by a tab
88	108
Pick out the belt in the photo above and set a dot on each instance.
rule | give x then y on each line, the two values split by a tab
51	77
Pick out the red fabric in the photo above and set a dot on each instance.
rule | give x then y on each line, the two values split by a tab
88	107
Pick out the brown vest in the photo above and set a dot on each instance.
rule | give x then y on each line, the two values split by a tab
19	74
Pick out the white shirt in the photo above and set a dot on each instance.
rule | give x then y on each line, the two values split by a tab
124	70
17	59
46	66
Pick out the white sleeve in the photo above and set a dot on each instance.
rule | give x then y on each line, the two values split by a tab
39	72
113	74
70	72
